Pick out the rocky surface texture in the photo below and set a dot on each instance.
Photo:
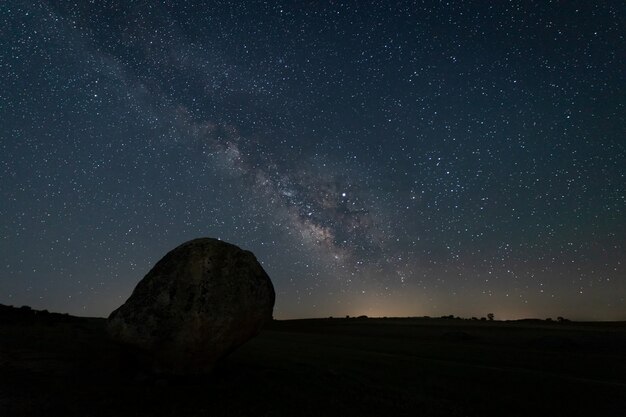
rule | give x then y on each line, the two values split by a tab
197	304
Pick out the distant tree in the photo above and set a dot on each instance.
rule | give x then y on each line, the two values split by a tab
347	316
562	319
549	319
474	318
483	319
490	316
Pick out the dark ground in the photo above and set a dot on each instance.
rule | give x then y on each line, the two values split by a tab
58	365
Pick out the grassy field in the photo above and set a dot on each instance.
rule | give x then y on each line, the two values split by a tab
57	365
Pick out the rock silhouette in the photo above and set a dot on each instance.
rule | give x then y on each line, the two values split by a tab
197	304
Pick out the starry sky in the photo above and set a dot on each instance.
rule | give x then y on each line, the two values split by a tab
400	158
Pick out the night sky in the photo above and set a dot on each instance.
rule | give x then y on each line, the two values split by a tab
379	158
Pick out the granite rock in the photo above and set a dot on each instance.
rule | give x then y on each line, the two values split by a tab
198	303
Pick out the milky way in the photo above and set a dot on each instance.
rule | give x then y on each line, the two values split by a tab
414	158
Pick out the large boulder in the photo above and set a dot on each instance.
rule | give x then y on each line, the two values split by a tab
197	304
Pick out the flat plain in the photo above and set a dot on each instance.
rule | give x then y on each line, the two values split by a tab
59	365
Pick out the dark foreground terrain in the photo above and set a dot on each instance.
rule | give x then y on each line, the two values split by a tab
58	365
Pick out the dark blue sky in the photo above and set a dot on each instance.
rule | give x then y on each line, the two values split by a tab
380	158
